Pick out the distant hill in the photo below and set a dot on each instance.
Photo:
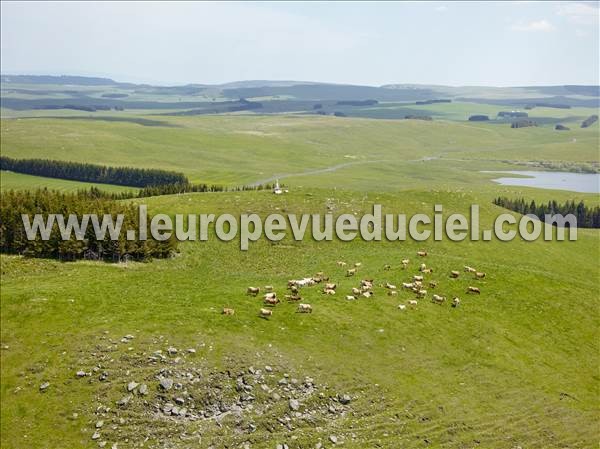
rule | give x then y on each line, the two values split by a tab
62	79
340	92
22	92
588	91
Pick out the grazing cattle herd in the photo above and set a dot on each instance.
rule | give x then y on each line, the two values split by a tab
365	288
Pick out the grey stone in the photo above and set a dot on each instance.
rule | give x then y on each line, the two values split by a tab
166	383
143	389
294	404
124	400
132	386
44	386
344	399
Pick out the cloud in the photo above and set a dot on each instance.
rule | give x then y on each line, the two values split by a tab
579	12
535	26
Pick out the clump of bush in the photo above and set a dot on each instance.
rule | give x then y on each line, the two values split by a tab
523	124
479	118
589	121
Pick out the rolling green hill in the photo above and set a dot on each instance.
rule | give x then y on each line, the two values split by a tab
383	152
516	366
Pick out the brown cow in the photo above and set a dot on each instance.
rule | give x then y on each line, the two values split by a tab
253	291
437	299
304	308
265	313
271	301
454	274
473	290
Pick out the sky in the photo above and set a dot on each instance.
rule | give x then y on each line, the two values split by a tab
368	43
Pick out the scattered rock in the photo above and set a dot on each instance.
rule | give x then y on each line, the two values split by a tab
80	373
95	436
124	401
294	405
166	383
99	424
44	386
344	399
143	389
132	386
333	439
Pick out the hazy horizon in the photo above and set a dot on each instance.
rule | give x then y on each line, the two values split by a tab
373	44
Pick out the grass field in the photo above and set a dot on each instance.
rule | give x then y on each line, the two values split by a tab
515	366
20	181
209	149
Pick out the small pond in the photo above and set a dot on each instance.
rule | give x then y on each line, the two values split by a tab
575	182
